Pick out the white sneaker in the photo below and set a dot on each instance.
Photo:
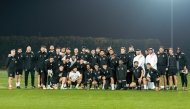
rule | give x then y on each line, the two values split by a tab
44	87
49	88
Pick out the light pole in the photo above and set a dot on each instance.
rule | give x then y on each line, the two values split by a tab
172	23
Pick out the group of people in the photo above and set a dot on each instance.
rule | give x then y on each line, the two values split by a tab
98	68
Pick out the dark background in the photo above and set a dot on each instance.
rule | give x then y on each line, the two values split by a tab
129	19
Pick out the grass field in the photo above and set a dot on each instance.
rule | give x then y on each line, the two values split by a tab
91	99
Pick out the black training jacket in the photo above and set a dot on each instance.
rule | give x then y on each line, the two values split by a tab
121	72
10	64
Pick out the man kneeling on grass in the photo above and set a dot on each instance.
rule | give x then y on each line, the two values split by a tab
138	73
74	78
152	75
59	77
107	77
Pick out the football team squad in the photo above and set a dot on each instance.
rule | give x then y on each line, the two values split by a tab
98	68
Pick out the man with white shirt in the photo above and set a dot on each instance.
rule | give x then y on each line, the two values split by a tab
74	78
140	59
152	59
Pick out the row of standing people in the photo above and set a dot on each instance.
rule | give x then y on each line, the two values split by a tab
165	63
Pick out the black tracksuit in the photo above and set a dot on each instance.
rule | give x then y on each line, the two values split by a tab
121	73
131	56
57	59
162	63
93	60
51	53
172	65
10	64
56	77
154	74
88	75
85	56
29	66
102	60
137	71
81	68
40	59
124	58
108	74
113	65
19	64
50	66
182	63
96	74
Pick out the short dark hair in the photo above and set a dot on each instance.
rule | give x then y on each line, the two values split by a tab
148	64
104	64
19	48
131	46
57	47
123	48
43	46
162	47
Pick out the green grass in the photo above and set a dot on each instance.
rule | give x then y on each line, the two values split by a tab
91	99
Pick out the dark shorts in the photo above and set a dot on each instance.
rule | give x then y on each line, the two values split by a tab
55	80
11	74
162	70
136	81
156	83
74	83
19	71
172	71
64	75
40	71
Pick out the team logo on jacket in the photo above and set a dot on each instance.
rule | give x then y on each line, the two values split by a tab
31	55
44	55
103	58
151	72
40	56
163	56
122	68
85	55
26	55
179	56
107	71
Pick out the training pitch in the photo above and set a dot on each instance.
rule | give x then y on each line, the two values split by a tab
91	99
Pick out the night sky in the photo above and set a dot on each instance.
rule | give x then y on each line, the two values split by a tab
134	19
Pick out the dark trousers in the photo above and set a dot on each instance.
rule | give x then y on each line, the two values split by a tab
44	77
129	77
184	79
123	83
49	80
106	84
32	72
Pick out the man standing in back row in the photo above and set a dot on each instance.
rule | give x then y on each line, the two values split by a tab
131	54
42	74
29	66
182	67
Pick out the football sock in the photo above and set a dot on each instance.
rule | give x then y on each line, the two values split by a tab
145	87
112	86
77	85
18	83
64	85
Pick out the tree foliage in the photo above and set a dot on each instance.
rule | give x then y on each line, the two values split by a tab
14	42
